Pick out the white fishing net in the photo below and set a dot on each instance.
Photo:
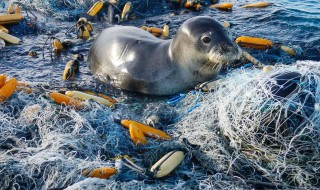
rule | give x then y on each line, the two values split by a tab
244	130
237	136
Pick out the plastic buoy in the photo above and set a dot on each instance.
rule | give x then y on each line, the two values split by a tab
102	96
288	50
89	26
63	99
83	33
126	11
256	43
192	5
165	32
8	89
95	8
137	135
84	22
224	6
267	69
155	30
10	9
112	2
4	29
85	96
9	38
103	173
17	9
57	45
167	164
70	70
3	79
256	5
11	18
147	130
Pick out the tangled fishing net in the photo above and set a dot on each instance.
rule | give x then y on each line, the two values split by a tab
237	136
244	130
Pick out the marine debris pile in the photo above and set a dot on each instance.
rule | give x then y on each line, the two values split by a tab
241	134
249	128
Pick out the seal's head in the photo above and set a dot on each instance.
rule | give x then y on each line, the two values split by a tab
207	44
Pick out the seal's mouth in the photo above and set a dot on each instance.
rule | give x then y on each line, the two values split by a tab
225	55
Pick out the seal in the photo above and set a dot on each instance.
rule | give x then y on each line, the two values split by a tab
133	59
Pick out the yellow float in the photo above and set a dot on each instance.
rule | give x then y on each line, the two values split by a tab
11	18
103	173
8	89
256	43
223	6
95	8
256	5
147	130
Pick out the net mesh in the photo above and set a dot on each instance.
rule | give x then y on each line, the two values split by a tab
244	130
237	136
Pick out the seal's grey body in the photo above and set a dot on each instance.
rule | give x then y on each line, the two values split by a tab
133	59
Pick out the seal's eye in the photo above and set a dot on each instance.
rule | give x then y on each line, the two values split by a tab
206	39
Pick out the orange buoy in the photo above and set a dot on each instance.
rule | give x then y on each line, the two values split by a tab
95	8
224	6
137	135
17	9
155	30
4	29
256	43
195	6
156	34
8	89
11	18
103	173
147	130
3	79
66	100
10	9
256	5
57	45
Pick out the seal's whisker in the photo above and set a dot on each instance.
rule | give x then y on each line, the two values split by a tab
205	65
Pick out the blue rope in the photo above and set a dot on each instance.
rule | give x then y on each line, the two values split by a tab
176	99
195	102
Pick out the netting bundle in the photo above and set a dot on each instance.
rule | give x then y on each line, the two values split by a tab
262	127
254	129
